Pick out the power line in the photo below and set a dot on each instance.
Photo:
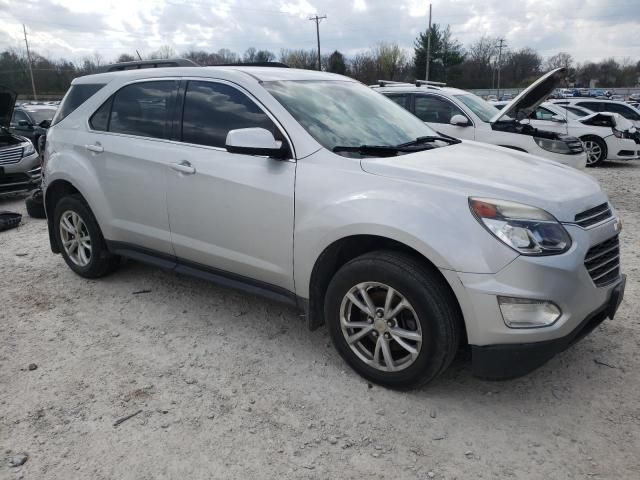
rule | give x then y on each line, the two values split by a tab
318	19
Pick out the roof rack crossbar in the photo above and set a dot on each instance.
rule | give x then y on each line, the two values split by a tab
429	82
158	63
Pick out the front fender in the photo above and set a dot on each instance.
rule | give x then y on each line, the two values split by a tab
435	222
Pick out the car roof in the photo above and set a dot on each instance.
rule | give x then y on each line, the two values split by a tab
262	74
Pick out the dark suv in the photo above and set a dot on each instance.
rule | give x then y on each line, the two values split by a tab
32	121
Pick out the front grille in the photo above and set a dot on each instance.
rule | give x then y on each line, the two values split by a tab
575	146
10	155
593	215
603	262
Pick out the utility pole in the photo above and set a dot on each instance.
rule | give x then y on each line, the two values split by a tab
318	19
33	84
426	77
501	44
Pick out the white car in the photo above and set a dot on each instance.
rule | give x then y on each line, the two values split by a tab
311	189
597	106
606	136
464	115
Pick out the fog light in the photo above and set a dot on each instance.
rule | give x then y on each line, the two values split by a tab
528	313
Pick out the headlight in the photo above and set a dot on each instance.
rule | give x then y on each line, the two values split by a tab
29	149
528	230
555	146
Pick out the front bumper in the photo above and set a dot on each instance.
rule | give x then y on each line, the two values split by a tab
502	362
622	148
561	279
20	177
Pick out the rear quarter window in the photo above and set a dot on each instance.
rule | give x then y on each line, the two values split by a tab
76	96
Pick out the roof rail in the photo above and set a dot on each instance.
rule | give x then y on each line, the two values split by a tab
159	63
419	83
252	64
384	83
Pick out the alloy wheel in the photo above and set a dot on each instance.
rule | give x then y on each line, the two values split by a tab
75	238
380	326
594	151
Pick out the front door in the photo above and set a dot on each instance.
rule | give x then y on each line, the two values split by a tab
437	112
230	212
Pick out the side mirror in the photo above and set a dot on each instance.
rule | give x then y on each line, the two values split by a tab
45	124
255	141
558	119
459	120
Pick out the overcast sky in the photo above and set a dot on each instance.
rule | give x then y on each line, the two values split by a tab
588	29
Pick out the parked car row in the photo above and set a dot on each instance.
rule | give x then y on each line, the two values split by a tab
406	242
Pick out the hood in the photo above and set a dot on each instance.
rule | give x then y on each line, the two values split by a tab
531	97
7	102
479	169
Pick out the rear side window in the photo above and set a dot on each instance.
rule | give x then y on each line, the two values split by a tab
143	109
593	106
76	96
626	112
100	119
212	109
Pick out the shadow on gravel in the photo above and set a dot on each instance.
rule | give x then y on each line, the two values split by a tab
622	165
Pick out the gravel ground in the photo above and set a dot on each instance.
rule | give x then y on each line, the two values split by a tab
232	386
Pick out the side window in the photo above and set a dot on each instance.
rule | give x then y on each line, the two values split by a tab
76	96
19	116
433	109
402	100
593	106
212	109
626	112
100	119
143	109
542	114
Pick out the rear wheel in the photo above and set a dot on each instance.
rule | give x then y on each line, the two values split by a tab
393	320
596	150
80	240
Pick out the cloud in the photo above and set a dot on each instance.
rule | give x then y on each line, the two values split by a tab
588	29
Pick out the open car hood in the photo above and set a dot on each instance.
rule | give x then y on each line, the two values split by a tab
7	102
531	97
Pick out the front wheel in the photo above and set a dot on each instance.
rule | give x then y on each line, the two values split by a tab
596	150
392	319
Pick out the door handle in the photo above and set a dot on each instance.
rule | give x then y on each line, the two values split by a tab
97	148
183	167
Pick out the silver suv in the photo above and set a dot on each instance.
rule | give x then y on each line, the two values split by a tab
19	161
312	189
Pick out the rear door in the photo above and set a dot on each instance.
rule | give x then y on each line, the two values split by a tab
128	144
437	111
230	212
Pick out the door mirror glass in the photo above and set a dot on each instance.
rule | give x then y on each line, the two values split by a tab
45	124
459	120
558	119
254	141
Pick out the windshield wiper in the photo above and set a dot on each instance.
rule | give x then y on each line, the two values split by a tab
441	137
384	150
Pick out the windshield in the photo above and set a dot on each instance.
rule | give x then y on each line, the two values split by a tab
483	109
41	114
345	113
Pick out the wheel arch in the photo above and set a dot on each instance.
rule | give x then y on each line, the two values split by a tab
54	192
341	251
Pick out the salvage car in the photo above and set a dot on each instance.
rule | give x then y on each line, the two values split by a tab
19	162
464	115
596	106
606	136
312	189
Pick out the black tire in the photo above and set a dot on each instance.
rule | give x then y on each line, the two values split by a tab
35	205
432	300
601	145
101	262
